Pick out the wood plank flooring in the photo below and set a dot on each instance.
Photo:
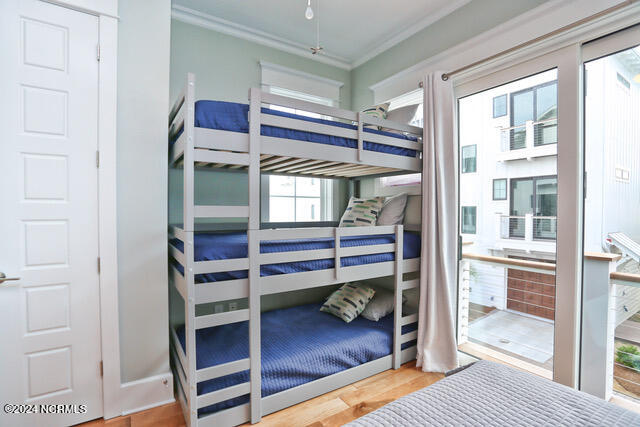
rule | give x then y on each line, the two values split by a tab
332	409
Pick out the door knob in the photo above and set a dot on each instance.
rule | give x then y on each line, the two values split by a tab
4	278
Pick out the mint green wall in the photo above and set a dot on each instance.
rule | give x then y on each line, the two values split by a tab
226	67
468	21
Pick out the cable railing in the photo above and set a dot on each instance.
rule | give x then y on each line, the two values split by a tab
528	227
494	289
529	135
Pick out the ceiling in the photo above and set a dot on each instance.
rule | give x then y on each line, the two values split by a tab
351	31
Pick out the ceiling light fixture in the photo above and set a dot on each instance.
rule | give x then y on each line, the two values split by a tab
637	78
318	49
309	12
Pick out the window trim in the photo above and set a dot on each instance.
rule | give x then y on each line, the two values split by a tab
506	188
475	170
506	106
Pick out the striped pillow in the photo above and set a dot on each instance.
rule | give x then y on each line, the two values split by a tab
379	111
348	301
362	212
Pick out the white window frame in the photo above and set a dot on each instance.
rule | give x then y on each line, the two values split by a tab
567	61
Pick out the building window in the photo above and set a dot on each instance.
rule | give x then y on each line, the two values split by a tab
538	105
500	189
622	174
299	199
469	219
500	106
624	82
469	159
537	197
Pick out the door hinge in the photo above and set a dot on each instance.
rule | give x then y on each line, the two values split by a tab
97	158
98	52
98	265
101	369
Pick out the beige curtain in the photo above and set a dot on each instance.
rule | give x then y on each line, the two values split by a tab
436	326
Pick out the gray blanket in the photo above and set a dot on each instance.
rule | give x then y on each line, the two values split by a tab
490	394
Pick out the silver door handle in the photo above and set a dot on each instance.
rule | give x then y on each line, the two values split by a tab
4	278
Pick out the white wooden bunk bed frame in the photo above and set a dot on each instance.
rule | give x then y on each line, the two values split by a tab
197	147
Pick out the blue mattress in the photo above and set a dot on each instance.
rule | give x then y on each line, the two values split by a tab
217	246
320	344
233	117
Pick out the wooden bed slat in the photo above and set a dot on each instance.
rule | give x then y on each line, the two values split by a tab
209	320
221	370
217	396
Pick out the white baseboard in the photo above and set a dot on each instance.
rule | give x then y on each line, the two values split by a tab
146	393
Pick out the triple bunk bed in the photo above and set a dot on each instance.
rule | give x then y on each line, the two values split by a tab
237	366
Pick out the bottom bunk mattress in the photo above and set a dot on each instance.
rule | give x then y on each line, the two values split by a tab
298	344
488	393
229	245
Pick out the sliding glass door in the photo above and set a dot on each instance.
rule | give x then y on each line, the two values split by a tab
611	286
519	154
507	291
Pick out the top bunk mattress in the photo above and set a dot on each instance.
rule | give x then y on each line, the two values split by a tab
229	245
234	117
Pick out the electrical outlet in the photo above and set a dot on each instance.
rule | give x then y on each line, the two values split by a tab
233	306
218	308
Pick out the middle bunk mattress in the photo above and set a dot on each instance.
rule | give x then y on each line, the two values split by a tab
298	345
230	245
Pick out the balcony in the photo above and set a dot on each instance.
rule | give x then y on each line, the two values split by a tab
491	326
526	232
528	141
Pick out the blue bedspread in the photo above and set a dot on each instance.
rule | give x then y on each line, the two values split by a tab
320	344
216	246
233	117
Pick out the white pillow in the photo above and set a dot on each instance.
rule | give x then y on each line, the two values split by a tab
381	304
362	212
393	210
402	115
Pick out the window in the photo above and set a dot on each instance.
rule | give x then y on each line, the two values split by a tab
624	82
299	199
469	219
302	96
500	106
401	180
623	175
539	105
537	197
411	98
500	189
469	159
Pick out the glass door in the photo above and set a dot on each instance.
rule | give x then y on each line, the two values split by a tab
508	210
611	284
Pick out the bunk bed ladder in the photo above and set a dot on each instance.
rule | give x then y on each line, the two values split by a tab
397	311
253	238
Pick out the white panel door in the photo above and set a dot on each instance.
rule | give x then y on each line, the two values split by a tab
49	318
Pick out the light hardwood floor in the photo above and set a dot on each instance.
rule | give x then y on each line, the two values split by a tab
332	409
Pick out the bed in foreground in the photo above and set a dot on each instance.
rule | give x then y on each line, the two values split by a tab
488	393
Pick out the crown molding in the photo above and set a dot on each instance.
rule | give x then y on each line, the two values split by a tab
375	49
211	22
194	17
